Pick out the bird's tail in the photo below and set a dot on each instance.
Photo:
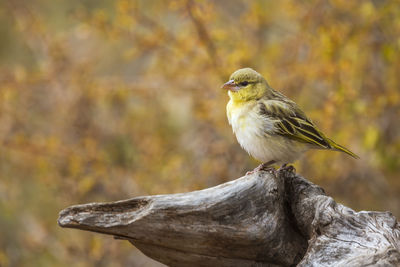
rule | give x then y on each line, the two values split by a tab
338	147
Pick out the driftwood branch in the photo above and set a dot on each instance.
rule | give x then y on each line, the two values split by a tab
268	218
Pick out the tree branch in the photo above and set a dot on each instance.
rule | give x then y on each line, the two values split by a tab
268	218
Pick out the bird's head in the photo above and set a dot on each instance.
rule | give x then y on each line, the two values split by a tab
245	85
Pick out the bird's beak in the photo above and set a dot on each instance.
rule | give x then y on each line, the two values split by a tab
231	86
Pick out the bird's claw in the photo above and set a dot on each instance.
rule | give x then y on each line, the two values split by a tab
286	168
266	166
250	172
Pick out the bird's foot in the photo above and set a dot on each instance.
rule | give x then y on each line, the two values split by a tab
266	166
287	168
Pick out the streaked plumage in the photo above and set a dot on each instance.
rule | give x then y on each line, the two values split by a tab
267	124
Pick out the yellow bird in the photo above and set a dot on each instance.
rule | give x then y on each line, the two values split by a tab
268	125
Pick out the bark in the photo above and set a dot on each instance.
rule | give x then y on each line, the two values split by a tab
268	218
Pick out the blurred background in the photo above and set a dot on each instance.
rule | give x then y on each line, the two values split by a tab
107	100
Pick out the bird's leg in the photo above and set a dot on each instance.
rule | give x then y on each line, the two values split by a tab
286	168
262	167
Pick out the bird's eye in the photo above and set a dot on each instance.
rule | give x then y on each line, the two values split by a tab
244	83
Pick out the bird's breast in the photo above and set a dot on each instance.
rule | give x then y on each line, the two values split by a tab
246	120
256	134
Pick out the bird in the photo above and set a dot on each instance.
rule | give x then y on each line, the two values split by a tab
270	126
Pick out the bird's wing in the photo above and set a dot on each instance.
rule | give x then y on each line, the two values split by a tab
291	122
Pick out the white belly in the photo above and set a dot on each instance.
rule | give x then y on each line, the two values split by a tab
254	133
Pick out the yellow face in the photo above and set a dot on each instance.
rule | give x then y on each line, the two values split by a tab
245	85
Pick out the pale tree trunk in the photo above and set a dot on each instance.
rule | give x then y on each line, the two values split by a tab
268	218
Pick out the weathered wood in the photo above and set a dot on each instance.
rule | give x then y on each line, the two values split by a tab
268	218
